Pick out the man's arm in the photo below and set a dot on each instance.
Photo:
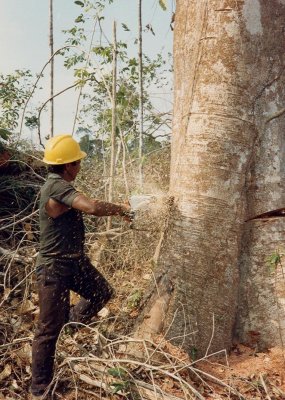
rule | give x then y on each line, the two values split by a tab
99	208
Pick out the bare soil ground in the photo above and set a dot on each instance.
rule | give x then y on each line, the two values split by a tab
254	375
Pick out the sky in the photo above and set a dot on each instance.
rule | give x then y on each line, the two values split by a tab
24	39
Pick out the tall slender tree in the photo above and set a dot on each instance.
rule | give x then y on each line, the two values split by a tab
114	119
51	67
140	94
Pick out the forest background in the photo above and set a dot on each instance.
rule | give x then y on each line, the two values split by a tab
25	42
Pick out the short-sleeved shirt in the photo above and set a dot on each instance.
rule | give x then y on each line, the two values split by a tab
61	237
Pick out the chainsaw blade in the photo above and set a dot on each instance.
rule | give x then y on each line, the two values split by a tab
279	212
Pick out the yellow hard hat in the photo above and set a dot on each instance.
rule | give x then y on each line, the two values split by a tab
62	149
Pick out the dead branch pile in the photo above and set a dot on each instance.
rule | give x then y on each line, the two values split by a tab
20	182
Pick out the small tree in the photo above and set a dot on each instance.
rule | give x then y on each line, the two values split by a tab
95	68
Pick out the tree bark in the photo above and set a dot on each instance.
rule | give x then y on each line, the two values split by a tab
261	296
226	54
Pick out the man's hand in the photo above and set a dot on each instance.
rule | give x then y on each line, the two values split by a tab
127	214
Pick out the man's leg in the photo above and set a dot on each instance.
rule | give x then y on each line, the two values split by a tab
54	310
94	290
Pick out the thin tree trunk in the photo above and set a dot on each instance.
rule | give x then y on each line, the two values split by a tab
140	97
124	164
51	67
114	124
81	87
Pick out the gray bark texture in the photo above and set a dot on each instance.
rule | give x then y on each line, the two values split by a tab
261	310
227	165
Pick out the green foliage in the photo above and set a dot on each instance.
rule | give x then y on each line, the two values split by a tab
163	4
93	5
117	372
32	121
193	353
79	3
73	60
121	386
4	133
105	52
274	260
79	19
93	72
90	144
135	299
98	106
124	26
77	36
14	91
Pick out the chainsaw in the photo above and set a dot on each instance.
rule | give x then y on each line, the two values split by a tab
138	203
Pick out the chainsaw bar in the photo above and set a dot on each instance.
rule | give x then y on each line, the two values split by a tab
279	212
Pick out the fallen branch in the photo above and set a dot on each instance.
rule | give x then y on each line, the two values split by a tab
19	220
146	389
148	367
16	341
264	386
16	256
220	382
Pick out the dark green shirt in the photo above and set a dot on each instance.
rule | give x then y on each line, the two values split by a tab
61	237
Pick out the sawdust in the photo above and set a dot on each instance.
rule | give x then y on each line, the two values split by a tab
251	373
246	362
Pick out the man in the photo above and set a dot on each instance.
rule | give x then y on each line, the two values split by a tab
61	264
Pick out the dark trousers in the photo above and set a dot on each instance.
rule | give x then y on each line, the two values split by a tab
54	283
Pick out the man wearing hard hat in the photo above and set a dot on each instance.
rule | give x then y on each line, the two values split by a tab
61	264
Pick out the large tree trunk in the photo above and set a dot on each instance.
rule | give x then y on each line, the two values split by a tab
261	311
226	54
